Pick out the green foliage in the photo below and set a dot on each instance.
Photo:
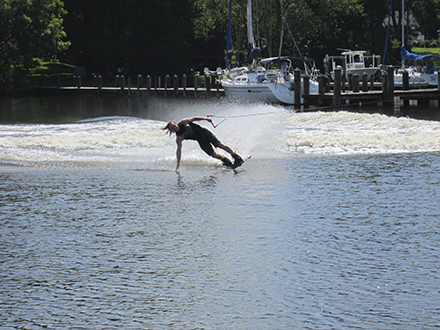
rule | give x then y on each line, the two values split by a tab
130	36
30	28
317	27
159	37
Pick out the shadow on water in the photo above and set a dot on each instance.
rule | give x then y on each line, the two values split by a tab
55	109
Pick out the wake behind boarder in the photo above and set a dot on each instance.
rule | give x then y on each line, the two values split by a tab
186	129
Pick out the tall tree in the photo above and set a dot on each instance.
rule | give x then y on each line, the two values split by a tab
134	36
29	29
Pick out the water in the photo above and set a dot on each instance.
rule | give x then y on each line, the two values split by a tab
332	224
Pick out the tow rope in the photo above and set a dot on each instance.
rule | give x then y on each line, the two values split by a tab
238	116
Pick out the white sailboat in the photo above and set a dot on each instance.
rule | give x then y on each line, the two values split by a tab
256	83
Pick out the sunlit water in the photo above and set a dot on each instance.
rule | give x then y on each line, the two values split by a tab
332	224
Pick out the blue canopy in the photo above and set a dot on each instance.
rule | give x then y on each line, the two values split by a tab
411	56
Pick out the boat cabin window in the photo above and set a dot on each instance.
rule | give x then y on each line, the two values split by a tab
357	59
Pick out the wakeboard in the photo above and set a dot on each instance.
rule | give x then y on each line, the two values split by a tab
234	166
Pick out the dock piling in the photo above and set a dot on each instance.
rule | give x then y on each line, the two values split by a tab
176	84
350	80
337	87
184	84
390	83
148	82
356	83
306	90
297	87
405	80
365	82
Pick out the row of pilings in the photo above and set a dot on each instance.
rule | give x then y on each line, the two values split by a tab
207	84
360	89
354	88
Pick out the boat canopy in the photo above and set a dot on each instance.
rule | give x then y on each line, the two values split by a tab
411	56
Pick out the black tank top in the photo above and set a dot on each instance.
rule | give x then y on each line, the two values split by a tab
190	131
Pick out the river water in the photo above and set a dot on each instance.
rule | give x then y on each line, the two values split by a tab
332	224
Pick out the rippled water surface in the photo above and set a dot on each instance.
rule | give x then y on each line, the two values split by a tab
332	224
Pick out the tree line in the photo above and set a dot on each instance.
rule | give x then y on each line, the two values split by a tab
159	37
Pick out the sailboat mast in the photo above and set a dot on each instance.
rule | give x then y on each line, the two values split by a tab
403	22
228	36
249	25
403	28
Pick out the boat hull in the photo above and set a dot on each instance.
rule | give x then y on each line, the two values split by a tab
249	93
267	92
417	78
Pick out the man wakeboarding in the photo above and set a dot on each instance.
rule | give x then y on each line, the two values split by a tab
185	129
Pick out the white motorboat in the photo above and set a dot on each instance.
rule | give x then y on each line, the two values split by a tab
354	62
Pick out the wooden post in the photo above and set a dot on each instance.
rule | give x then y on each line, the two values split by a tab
365	82
148	83
175	84
78	82
343	80
321	88
384	86
405	80
196	83
350	81
390	83
139	82
356	83
337	87
306	90
297	87
122	77
438	80
184	84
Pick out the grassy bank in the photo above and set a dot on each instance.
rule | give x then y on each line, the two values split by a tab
52	68
419	50
425	51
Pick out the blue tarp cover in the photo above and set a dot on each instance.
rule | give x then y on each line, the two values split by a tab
411	56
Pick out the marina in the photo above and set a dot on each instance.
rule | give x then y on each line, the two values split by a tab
356	90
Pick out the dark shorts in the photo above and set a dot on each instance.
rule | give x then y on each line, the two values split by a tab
207	141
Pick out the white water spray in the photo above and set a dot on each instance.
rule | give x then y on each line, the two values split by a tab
263	131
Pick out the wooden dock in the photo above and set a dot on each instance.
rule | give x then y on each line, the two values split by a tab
374	97
337	93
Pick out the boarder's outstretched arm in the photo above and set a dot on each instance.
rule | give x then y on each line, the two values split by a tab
191	119
178	151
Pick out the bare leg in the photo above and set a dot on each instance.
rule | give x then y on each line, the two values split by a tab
225	160
225	148
217	155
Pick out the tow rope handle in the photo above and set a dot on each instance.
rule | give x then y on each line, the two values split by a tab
215	126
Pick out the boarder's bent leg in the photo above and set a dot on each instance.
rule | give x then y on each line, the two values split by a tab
224	159
225	148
